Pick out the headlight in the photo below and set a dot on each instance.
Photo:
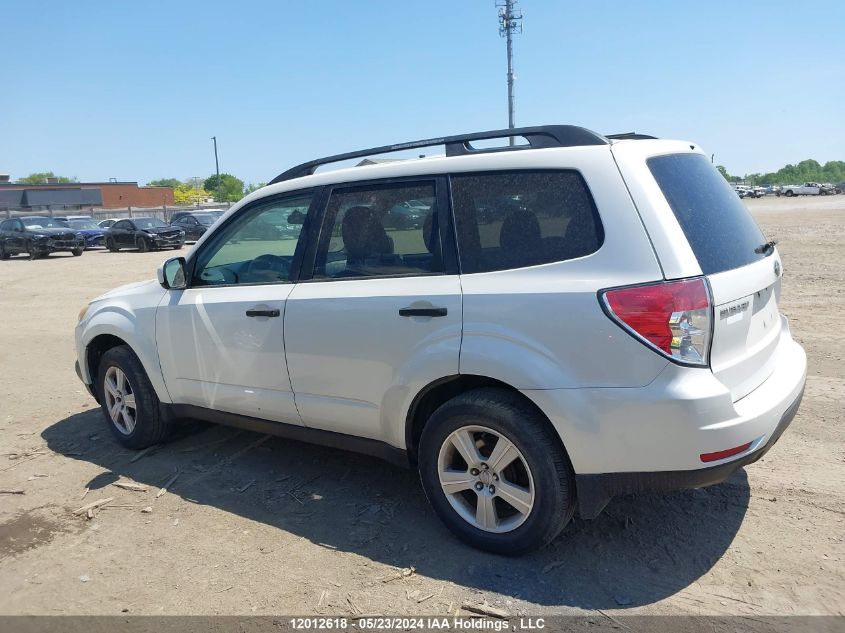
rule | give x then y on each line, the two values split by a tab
82	312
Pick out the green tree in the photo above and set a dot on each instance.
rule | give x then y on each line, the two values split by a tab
40	177
231	189
726	175
165	182
253	187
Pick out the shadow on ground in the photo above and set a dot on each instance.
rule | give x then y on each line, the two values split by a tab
641	549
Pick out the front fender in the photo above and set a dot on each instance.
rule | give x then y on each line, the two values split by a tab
135	325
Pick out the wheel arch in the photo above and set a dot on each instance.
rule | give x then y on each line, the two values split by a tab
439	391
110	329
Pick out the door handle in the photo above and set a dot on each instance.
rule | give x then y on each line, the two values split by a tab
263	313
422	312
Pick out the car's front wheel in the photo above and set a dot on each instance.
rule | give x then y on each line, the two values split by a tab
78	251
128	399
142	245
110	244
495	472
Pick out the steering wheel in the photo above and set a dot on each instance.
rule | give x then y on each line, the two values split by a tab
268	268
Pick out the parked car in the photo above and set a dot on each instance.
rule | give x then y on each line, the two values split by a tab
616	330
37	236
194	224
104	224
807	189
93	235
217	213
841	187
145	234
827	189
742	191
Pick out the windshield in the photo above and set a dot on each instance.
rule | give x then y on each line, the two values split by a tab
81	225
42	223
149	223
205	219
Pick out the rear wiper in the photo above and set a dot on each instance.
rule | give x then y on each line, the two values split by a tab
767	248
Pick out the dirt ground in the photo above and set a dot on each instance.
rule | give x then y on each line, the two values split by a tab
256	525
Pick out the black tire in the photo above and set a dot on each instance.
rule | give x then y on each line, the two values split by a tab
111	245
142	245
178	247
790	193
32	252
508	415
4	254
77	251
150	426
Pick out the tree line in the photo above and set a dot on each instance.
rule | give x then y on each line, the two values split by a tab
227	188
808	170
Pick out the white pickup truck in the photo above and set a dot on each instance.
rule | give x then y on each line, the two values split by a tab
807	189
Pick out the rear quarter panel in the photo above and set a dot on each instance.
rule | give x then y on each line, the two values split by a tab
542	327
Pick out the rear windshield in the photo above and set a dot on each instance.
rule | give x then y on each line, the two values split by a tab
718	227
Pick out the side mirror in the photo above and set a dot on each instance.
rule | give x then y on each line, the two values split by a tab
171	274
296	217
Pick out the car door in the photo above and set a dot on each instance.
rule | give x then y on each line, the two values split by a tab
221	340
119	231
379	316
17	237
189	225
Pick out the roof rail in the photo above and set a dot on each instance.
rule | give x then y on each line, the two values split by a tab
541	136
628	136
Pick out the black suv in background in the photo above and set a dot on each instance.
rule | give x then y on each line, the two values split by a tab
145	234
195	224
38	237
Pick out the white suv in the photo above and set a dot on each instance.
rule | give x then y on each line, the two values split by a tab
536	328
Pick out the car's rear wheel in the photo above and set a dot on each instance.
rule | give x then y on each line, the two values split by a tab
495	472
142	244
4	254
128	399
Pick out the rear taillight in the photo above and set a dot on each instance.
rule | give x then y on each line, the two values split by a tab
674	317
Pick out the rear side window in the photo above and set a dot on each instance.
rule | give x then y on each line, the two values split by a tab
718	227
516	219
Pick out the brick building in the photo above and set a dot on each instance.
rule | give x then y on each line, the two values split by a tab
82	196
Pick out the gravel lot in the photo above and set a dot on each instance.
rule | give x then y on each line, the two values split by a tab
260	525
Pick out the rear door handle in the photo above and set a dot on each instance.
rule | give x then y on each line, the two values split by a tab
422	312
263	313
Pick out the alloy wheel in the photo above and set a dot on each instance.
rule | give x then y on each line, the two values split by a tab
120	400
486	479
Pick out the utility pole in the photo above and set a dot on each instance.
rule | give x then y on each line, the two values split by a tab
510	22
216	167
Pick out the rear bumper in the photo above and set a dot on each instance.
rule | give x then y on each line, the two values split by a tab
594	491
653	437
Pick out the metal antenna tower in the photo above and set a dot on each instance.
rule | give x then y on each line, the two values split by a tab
510	22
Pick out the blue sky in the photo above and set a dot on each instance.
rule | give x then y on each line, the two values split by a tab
135	90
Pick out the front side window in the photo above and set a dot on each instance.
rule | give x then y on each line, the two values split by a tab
380	230
258	247
514	219
122	224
